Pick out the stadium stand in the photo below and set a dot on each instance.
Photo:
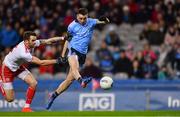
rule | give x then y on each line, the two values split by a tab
133	22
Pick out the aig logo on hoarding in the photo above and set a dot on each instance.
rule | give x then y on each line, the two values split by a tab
100	101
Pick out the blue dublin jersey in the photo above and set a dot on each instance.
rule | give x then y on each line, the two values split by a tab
82	35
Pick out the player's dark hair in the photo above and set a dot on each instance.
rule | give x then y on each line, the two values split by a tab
27	35
82	11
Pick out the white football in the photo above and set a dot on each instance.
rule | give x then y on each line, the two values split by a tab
106	82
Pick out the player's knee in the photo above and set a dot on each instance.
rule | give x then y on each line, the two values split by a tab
9	99
33	83
75	71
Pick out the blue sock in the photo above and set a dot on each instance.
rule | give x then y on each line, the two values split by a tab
54	95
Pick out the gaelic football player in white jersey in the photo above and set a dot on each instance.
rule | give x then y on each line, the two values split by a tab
13	67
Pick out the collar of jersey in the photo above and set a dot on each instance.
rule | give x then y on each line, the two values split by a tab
26	47
80	23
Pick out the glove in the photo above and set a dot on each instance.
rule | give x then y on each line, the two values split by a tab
68	37
105	19
61	59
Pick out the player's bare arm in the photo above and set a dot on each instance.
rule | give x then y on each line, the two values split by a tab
64	49
37	61
63	57
50	40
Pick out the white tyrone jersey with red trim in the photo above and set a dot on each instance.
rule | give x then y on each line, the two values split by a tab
19	55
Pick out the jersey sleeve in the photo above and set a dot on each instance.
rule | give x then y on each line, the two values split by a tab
37	43
93	21
70	29
27	57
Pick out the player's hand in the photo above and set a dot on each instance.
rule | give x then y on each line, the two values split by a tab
68	37
104	18
61	60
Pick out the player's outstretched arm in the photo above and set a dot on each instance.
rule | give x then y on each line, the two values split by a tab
37	61
51	40
103	20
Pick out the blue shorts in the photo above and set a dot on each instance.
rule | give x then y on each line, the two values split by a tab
81	57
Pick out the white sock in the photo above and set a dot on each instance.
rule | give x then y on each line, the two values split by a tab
26	105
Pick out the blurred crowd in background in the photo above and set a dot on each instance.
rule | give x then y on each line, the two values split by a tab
141	42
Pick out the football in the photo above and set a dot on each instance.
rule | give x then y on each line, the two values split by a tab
106	82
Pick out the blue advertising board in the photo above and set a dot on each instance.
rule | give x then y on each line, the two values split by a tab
127	97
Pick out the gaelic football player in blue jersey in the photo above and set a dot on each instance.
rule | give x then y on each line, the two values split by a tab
80	33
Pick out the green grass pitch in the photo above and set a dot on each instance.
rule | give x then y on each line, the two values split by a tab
93	114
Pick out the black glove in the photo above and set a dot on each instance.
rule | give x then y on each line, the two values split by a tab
62	60
104	18
68	37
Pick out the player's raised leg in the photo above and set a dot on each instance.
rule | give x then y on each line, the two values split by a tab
72	75
74	64
31	81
